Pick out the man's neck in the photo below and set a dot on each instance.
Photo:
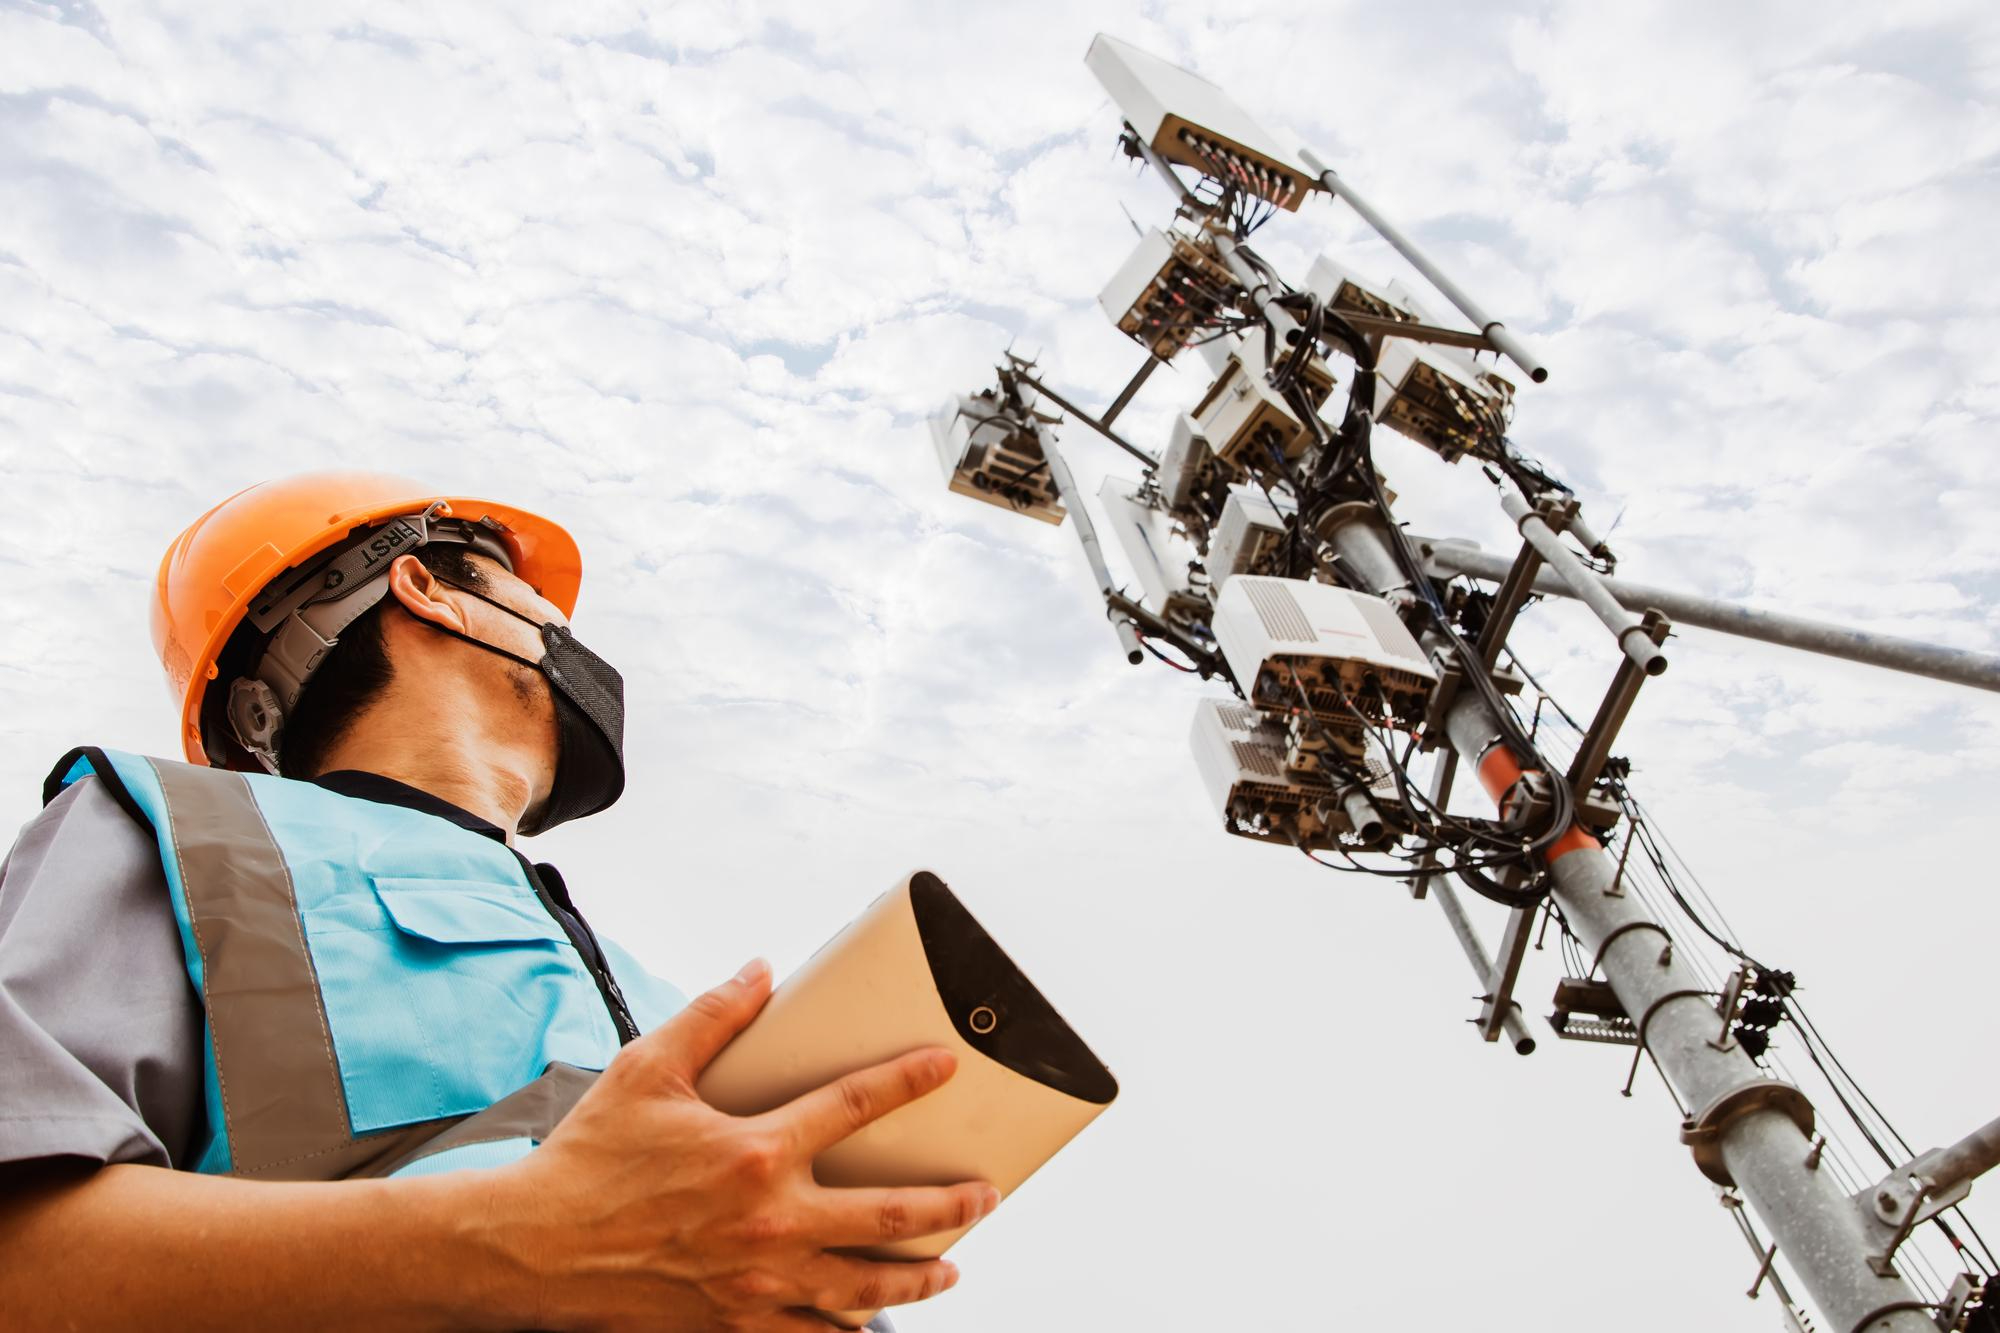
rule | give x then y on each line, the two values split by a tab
487	781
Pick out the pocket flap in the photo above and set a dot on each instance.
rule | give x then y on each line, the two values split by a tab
465	911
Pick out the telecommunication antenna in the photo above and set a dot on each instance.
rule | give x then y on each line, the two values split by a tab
1269	558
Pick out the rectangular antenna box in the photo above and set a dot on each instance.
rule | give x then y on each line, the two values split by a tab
1249	349
1240	754
1167	291
1443	401
987	456
1284	638
1245	419
1186	457
1186	119
1251	527
1339	288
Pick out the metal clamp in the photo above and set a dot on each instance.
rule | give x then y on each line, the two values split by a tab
1893	1307
1702	1133
1605	947
1647	1018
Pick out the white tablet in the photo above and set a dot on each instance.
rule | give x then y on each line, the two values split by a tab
916	970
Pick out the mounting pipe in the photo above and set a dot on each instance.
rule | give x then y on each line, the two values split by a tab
1493	330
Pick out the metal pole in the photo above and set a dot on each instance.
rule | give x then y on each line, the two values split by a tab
1496	332
1960	666
1585	585
1745	1129
1086	532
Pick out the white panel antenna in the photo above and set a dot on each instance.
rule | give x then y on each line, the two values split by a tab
1168	291
1250	529
1159	558
1333	651
1249	349
1187	464
1240	754
985	455
1344	291
1247	423
1186	119
1447	403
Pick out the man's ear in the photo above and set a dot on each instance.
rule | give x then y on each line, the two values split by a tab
422	594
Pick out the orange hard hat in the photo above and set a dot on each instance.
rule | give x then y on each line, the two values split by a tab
215	569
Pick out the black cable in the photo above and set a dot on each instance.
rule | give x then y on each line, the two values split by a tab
1357	455
1467	869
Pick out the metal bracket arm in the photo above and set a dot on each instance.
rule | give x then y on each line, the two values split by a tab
1926	1185
1507	603
1375	326
1595	747
1132	386
1101	427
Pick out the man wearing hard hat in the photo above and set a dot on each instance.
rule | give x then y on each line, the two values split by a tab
292	1036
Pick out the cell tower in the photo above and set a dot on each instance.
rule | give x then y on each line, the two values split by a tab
1268	557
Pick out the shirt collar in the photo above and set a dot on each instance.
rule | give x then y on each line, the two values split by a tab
387	791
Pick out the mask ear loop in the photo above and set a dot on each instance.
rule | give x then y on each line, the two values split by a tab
521	616
481	643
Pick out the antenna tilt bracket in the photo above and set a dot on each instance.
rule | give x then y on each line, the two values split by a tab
1702	1132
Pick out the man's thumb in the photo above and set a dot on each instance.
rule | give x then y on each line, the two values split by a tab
685	1043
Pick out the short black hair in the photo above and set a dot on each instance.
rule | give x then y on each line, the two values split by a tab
356	672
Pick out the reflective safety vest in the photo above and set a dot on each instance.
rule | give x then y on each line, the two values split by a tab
383	992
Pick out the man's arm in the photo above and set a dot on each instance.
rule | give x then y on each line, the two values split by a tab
646	1208
102	1247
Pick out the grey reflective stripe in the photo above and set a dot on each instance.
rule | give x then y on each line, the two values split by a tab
526	1113
282	1100
351	1158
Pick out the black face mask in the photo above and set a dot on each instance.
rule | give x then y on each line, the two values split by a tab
589	696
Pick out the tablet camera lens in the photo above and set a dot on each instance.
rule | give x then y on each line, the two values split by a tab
983	1020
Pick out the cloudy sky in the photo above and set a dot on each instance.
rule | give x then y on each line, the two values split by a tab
688	277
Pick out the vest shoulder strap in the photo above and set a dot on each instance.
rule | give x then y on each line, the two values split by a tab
274	1089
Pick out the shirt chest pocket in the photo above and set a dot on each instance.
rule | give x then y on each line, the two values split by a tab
442	996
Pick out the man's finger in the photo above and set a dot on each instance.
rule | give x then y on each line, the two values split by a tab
825	1116
834	1282
857	1217
684	1044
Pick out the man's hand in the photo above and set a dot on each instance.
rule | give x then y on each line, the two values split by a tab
648	1208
